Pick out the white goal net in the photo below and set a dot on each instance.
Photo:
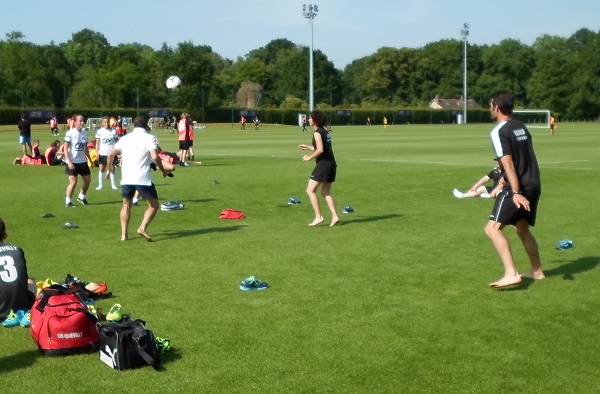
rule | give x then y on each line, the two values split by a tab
93	124
533	118
156	122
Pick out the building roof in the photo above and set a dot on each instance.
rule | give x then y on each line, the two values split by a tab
440	103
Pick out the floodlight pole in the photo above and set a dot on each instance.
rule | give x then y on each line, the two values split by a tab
310	12
465	34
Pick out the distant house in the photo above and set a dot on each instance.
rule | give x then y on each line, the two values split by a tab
439	103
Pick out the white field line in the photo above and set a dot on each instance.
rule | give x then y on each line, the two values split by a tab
440	163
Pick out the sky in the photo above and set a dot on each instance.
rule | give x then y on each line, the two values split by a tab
343	30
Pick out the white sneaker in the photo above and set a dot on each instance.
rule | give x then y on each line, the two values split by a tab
114	187
99	187
457	194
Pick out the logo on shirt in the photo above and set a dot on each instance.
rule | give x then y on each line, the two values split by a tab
520	134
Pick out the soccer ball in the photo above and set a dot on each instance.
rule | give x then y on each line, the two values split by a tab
173	82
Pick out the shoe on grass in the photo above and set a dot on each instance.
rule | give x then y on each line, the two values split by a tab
96	288
26	319
83	201
252	283
13	319
162	344
115	314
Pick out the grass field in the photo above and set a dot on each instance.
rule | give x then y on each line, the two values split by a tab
393	299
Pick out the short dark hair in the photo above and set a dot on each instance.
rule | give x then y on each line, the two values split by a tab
318	118
2	230
505	100
140	121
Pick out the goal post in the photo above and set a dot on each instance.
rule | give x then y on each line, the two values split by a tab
93	124
533	118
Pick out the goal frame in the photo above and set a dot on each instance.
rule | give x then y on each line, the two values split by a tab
533	118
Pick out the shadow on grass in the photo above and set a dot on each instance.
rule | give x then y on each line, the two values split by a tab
344	222
18	361
568	272
168	357
200	200
198	231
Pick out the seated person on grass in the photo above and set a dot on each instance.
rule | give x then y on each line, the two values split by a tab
17	290
54	154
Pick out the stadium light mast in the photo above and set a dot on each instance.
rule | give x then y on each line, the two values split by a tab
465	34
310	12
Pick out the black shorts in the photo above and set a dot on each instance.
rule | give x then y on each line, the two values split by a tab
184	145
325	171
146	192
506	212
80	169
190	143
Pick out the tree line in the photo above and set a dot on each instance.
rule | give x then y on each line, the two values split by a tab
561	74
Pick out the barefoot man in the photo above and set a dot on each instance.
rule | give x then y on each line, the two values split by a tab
138	150
517	203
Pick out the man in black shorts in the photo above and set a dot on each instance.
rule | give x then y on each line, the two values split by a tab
517	203
17	291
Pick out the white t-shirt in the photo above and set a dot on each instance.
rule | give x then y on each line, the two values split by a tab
135	149
108	138
77	141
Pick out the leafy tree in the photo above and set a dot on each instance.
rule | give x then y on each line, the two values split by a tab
87	47
549	85
507	65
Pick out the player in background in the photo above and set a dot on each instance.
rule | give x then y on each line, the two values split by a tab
76	156
184	138
552	125
243	123
106	138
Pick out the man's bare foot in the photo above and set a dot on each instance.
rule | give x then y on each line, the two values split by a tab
334	221
316	221
534	274
144	235
506	281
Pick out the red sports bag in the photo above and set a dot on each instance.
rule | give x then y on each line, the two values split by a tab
61	323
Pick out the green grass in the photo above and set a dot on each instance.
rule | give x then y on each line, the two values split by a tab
394	299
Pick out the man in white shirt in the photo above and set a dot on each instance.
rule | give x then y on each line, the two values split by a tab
76	156
138	150
105	141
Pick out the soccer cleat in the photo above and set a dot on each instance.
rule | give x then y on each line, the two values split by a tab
96	288
13	318
162	344
485	195
293	201
83	201
347	209
252	283
564	244
69	205
47	215
26	319
99	187
72	280
457	194
91	307
170	175
114	187
71	225
115	313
